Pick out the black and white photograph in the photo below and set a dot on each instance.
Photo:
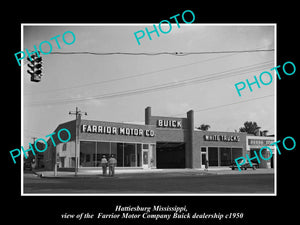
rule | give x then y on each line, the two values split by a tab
146	114
159	118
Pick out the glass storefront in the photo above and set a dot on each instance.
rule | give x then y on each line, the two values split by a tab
127	154
225	156
222	156
212	156
87	153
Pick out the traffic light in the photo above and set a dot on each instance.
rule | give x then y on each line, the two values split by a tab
35	66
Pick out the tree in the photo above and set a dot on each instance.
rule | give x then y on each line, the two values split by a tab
204	127
250	127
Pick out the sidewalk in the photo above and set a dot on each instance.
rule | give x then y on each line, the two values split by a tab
165	172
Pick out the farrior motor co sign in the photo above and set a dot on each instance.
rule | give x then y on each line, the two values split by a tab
117	130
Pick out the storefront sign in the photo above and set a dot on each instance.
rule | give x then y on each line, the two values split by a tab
260	142
117	130
225	138
242	160
169	123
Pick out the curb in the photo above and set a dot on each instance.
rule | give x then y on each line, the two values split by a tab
71	175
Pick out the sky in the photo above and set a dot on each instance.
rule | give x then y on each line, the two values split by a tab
118	88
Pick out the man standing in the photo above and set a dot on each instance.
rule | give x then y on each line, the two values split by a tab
206	164
104	165
112	162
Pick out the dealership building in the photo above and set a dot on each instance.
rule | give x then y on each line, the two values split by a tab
162	142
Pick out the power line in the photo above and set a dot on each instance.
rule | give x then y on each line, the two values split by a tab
131	76
197	79
219	106
224	105
162	86
148	54
160	53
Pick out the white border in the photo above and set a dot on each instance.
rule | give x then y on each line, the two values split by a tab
22	111
151	194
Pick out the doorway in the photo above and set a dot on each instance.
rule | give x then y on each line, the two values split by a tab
170	155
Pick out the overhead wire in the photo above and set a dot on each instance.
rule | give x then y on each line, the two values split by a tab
197	79
233	52
161	53
202	79
139	75
224	105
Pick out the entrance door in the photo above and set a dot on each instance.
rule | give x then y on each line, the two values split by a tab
62	162
170	155
204	157
145	159
203	160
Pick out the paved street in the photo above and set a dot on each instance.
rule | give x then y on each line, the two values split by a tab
181	182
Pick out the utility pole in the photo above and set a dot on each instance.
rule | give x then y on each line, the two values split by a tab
34	156
77	114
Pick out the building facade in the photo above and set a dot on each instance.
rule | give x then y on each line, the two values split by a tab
162	142
255	143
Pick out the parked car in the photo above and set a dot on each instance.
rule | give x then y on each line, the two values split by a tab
246	165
